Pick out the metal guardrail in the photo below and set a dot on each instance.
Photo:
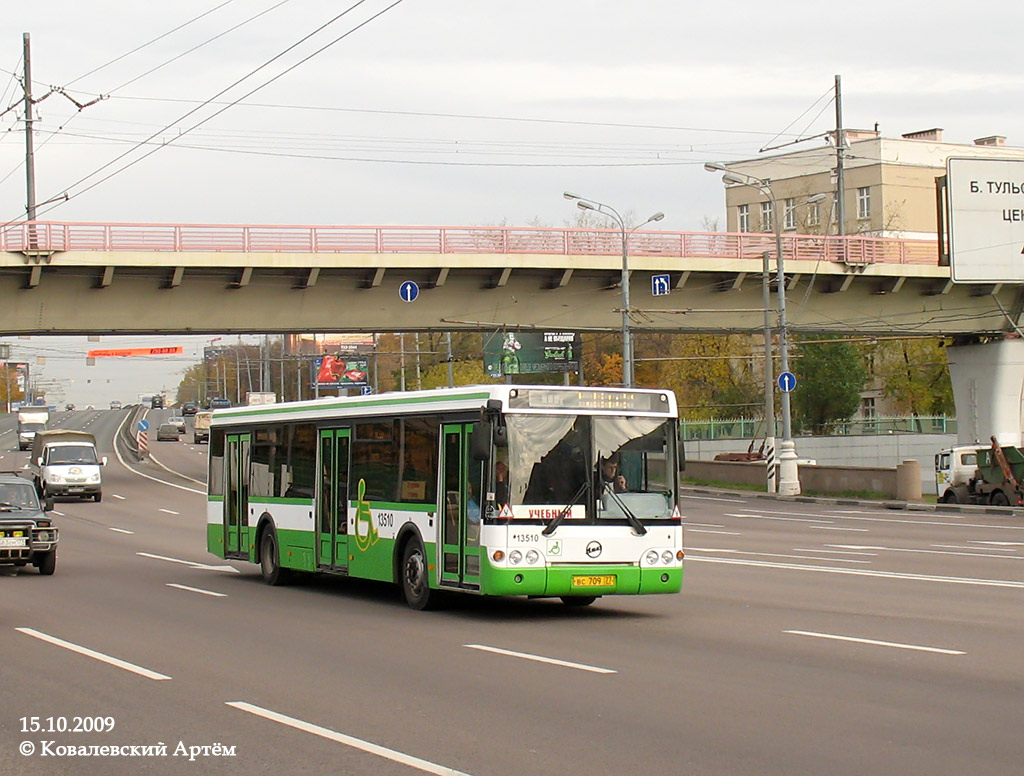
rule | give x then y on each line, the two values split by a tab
752	428
48	236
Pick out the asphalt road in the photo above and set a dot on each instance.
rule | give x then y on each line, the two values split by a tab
809	639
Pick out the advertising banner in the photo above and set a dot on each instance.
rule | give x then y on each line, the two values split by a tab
340	372
126	352
531	352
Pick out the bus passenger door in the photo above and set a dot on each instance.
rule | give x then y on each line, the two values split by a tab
236	495
461	508
332	500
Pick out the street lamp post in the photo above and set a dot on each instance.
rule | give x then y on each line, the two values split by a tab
789	476
583	203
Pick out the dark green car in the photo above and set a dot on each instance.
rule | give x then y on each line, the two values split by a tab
27	534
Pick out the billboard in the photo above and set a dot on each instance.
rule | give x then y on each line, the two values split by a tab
986	220
531	352
340	372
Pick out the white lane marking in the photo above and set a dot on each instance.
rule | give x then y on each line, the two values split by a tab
703	530
834	552
117	496
540	659
1001	544
713	498
94	654
863	572
192	563
759	516
356	743
973	547
762	512
780	555
927	552
121	530
197	590
703	525
55	512
170	512
836	528
877	643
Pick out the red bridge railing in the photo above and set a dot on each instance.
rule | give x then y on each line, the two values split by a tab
229	238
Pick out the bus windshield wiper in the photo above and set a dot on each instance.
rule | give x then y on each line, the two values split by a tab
557	519
638	528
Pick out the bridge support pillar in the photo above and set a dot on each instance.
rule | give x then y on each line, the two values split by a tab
988	390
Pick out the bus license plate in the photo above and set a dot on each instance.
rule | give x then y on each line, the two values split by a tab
13	541
604	580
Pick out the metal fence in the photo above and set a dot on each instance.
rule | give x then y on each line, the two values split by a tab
47	236
751	428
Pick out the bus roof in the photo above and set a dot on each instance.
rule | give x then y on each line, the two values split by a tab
524	399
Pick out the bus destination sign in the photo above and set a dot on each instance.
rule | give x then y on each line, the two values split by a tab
587	399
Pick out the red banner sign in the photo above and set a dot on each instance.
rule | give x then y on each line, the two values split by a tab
135	352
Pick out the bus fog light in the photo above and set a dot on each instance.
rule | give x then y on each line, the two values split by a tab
666	556
532	556
518	578
499	555
664	577
515	556
651	557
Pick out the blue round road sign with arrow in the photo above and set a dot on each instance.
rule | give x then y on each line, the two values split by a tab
408	291
787	382
143	425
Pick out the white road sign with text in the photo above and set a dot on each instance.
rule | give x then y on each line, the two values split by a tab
986	220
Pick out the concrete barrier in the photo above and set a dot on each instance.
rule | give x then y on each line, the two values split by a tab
820	479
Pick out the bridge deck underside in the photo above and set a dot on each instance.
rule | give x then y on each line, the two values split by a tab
142	293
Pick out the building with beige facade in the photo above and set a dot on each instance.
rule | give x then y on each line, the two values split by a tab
889	184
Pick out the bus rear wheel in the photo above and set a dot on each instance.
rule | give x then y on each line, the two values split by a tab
415	577
578	600
270	560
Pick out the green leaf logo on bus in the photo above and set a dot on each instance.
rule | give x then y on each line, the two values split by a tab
366	534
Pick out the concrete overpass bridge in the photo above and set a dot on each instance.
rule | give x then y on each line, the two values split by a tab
71	278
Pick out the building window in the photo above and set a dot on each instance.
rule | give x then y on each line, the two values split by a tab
744	221
766	217
789	219
864	202
868	408
814	214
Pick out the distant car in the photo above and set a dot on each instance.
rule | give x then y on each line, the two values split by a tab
157	402
90	407
115	405
219	403
189	408
69	407
168	432
178	421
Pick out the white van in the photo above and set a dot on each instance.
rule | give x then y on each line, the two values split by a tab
65	463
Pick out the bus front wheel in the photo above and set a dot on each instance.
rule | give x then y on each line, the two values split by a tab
415	578
270	560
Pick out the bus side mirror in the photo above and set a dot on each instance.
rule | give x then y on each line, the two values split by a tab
501	436
480	441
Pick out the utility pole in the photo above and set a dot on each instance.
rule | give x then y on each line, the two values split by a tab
840	150
30	159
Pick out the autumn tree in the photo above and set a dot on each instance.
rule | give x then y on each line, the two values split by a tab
830	378
914	376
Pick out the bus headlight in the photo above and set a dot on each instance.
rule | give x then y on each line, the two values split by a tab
515	557
666	556
651	557
532	556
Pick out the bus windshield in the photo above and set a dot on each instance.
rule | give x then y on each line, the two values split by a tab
615	467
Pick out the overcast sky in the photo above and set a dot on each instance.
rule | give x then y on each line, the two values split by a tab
469	112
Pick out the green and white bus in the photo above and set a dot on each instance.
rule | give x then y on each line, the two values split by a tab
493	490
